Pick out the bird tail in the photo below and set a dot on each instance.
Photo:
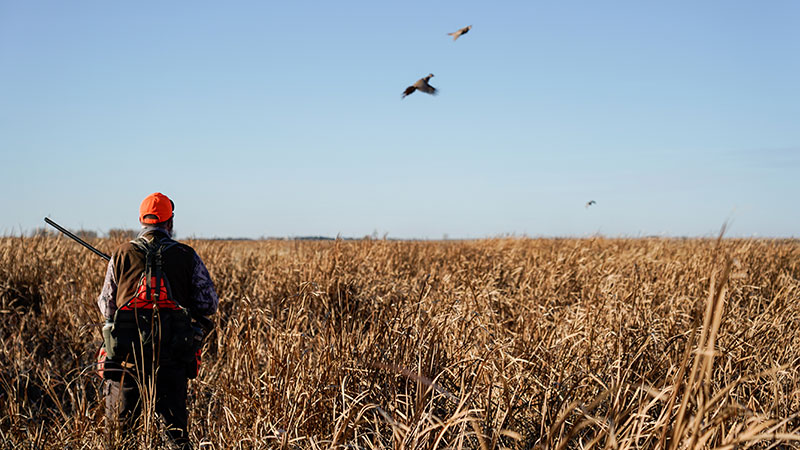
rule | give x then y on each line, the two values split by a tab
454	34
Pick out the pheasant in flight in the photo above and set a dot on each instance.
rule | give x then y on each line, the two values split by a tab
461	32
590	203
421	85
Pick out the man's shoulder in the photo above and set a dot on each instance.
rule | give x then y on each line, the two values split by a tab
182	249
124	247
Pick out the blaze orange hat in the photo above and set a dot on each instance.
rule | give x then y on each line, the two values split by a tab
158	205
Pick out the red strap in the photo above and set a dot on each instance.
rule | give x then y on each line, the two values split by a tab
141	300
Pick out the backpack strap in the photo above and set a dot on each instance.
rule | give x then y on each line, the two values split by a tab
163	245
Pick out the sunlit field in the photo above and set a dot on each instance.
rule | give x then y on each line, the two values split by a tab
516	343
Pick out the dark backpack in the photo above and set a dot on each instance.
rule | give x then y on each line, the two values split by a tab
151	329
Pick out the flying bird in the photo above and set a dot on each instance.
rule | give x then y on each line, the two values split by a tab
421	85
590	203
459	33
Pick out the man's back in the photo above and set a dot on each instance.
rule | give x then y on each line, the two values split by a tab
186	273
177	265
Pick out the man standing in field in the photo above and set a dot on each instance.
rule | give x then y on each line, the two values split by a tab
153	288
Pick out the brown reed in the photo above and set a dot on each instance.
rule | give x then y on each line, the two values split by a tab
500	343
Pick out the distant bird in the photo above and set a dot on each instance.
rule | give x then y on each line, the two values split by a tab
590	203
421	85
459	33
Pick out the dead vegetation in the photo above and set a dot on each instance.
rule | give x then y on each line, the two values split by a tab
517	343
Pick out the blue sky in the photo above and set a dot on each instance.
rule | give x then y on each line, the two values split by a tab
286	118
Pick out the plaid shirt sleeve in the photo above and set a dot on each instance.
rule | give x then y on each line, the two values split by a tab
107	299
204	297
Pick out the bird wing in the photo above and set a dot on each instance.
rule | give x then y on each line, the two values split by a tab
425	87
459	33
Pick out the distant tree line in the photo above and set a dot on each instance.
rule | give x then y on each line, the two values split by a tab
114	233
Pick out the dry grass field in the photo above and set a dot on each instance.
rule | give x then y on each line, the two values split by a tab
515	343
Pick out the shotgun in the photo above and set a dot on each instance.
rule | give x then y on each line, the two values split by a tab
76	239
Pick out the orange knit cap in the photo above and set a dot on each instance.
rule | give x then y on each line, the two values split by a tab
158	205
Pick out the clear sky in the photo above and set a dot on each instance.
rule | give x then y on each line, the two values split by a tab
286	119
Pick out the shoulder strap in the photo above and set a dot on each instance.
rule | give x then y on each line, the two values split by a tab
164	244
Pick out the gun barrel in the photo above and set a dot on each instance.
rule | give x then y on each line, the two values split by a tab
76	238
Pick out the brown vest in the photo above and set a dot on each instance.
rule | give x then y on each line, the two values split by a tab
177	264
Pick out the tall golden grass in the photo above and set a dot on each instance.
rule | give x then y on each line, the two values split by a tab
501	343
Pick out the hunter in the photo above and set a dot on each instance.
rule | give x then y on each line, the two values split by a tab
154	293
